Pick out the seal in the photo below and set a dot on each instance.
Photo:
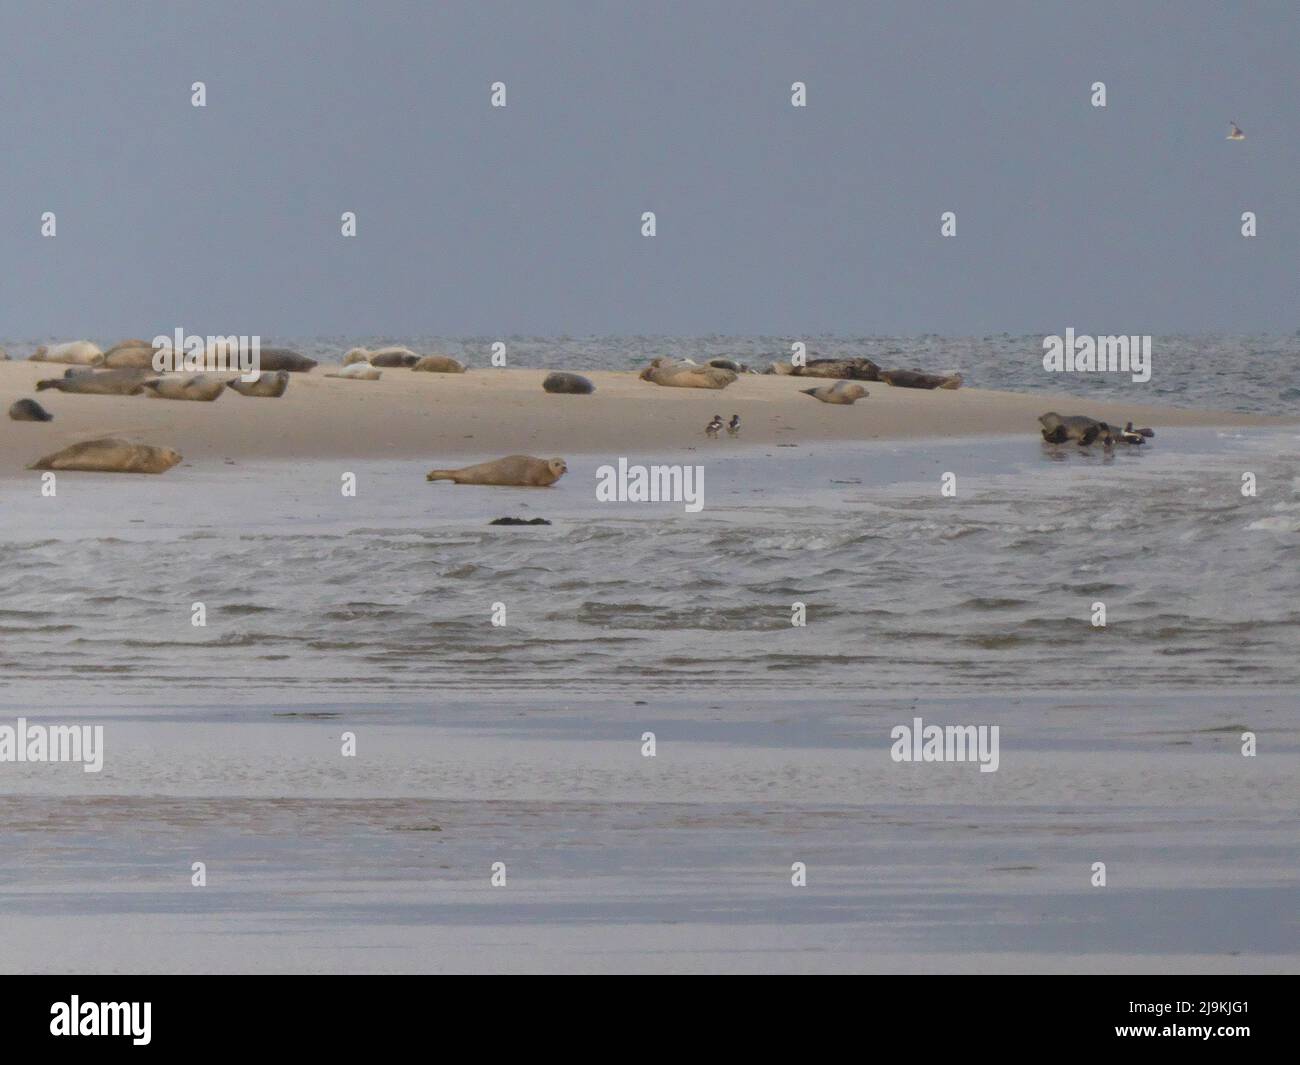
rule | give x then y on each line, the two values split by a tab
359	371
385	357
75	353
104	383
130	354
200	387
518	471
1058	428
28	410
722	363
855	369
570	384
4	355
680	375
273	359
842	392
110	455
270	385
437	364
918	379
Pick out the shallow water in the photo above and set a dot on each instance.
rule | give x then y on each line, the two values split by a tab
390	593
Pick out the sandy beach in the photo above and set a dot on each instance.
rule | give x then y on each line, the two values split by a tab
498	411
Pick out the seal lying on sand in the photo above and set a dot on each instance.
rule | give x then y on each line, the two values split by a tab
1057	429
201	387
437	364
76	353
269	385
130	354
680	375
917	379
519	471
106	383
840	392
359	371
110	456
856	369
28	410
571	384
272	359
385	357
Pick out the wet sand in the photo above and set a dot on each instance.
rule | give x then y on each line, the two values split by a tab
681	862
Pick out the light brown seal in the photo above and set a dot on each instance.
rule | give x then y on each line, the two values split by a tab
686	375
853	369
519	471
130	354
104	383
436	364
110	456
201	387
843	392
74	353
268	385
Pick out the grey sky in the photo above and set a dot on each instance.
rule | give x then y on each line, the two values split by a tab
771	219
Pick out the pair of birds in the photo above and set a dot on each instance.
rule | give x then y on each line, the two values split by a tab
714	427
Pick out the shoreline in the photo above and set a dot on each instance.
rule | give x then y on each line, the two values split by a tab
496	412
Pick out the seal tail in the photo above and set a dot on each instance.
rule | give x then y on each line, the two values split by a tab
440	475
808	391
41	386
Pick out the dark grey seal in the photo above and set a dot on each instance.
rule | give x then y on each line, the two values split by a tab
571	384
28	410
283	359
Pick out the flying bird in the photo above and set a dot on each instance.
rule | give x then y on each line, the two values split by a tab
1236	134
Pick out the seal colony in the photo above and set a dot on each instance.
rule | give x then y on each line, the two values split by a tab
421	404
